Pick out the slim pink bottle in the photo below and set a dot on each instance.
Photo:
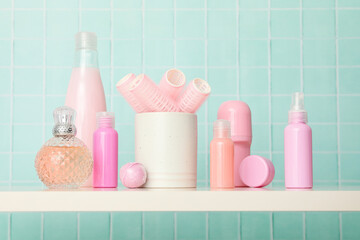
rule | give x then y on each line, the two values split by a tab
298	146
105	152
222	156
85	92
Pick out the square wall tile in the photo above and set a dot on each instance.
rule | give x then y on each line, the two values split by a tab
285	80
260	140
5	19
349	113
202	167
347	23
60	53
319	23
350	166
126	138
190	52
348	3
190	4
319	3
5	138
124	113
253	81
28	4
214	103
155	73
132	49
285	52
4	225
127	24
28	24
223	225
23	167
319	53
58	226
191	225
321	108
159	4
325	167
253	53
192	73
28	81
348	80
285	23
127	225
50	4
231	4
128	4
27	109
250	222
4	172
288	225
223	81
57	81
5	74
95	4
190	24
27	139
253	3
280	105
94	225
98	22
278	161
259	106
221	53
285	3
29	52
324	137
349	52
52	102
104	51
350	225
5	109
5	52
277	138
62	24
25	226
320	81
159	52
221	24
159	24
322	225
6	4
158	225
349	137
253	24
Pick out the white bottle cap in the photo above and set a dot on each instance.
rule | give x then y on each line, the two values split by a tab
86	40
297	111
221	128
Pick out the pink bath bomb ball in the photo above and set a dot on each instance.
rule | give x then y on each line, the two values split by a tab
133	175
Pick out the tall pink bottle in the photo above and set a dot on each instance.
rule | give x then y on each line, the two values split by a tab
222	156
85	92
105	152
298	146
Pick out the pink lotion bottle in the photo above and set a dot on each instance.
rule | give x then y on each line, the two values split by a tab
85	92
105	152
222	156
298	146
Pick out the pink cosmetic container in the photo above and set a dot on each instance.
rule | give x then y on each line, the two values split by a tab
194	95
239	115
298	146
105	152
256	171
123	88
133	175
172	83
150	95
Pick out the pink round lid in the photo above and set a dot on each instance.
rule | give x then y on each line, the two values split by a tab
256	171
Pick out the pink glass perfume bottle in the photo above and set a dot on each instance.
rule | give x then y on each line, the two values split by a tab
64	161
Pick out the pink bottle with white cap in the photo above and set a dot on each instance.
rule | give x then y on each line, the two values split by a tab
239	115
105	152
298	146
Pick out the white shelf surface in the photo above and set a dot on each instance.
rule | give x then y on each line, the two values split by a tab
32	199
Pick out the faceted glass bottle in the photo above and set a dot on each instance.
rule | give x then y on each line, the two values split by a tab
64	161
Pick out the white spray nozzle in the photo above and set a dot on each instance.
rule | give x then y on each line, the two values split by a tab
297	104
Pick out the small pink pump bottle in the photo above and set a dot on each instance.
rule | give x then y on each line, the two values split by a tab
298	146
222	156
105	152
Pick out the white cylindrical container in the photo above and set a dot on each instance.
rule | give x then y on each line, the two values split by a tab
166	144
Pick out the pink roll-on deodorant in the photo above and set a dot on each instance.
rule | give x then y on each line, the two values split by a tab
239	115
298	146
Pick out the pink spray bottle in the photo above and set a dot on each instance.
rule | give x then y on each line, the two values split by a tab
298	146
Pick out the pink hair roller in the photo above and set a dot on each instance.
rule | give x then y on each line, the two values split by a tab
123	87
150	95
172	83
194	95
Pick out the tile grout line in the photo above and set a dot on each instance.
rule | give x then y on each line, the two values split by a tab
78	225
80	15
143	70
12	94
237	51
111	56
174	59
111	227
301	50
304	225
239	225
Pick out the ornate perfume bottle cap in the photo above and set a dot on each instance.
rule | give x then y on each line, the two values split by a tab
64	118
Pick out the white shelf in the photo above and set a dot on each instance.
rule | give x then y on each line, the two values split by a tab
29	199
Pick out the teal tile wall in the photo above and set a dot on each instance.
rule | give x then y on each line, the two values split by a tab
258	51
